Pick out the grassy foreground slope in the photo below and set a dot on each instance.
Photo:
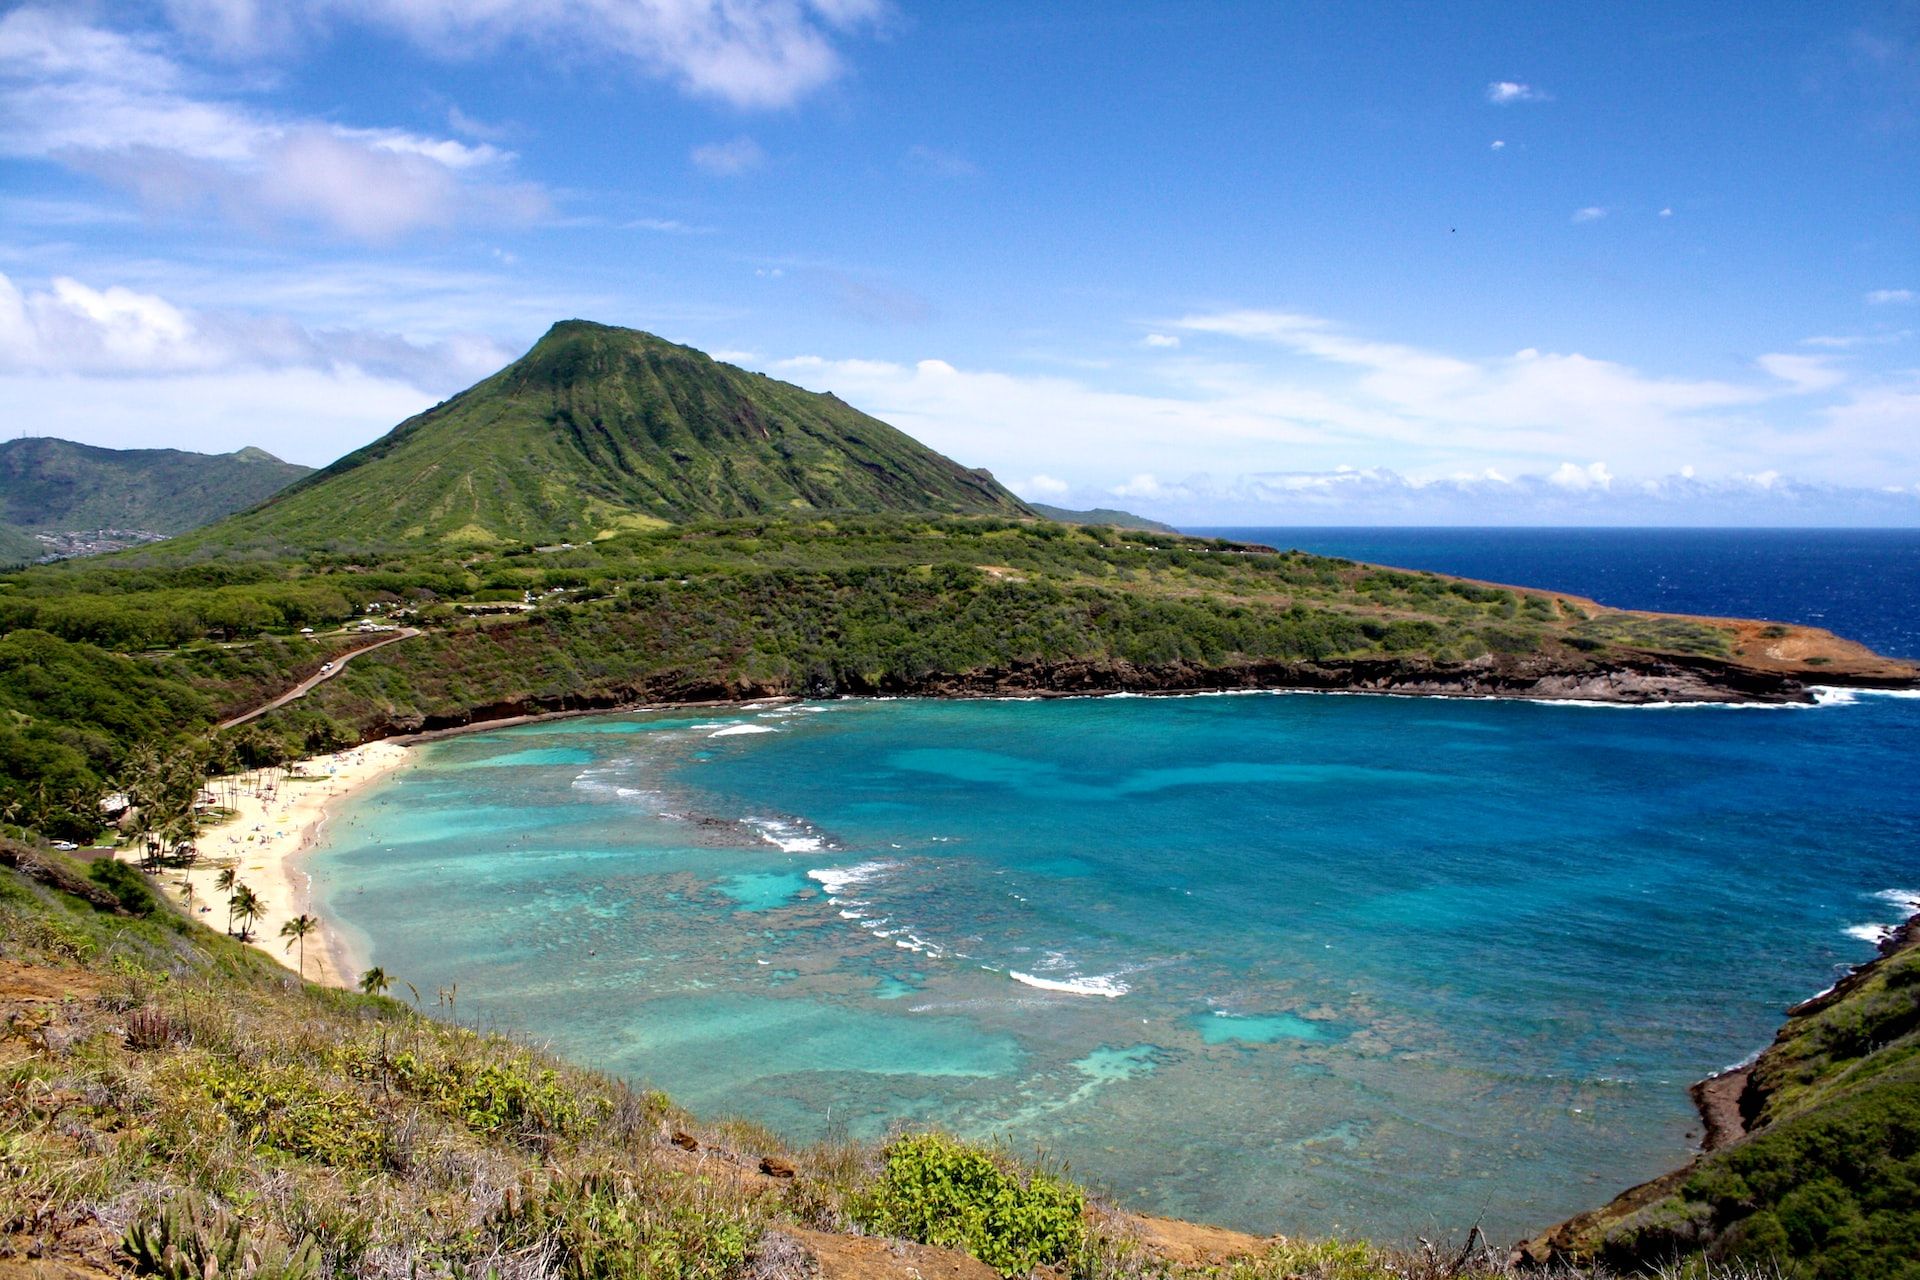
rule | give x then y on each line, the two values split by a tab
598	429
173	1103
50	486
1827	1173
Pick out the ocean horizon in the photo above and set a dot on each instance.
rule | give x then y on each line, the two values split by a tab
1289	962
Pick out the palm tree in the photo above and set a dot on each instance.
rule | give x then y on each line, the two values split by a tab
225	883
296	930
375	981
247	905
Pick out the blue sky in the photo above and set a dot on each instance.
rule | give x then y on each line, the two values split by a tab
1255	263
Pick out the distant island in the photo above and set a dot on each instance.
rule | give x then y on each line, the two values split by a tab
615	520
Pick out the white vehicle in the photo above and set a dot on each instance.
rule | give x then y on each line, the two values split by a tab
65	845
326	666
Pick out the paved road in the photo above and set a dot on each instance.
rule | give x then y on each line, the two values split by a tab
300	690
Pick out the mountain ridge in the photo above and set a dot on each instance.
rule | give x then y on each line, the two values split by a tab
599	428
54	486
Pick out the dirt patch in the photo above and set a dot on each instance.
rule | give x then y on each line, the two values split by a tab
1807	652
49	1269
1191	1244
37	984
866	1258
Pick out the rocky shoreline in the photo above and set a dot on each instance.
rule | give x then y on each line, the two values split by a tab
1639	681
1730	1104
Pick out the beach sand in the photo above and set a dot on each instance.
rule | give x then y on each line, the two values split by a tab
277	815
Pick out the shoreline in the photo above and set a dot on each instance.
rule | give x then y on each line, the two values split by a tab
482	719
277	818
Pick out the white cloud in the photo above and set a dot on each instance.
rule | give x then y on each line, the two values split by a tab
1806	373
1502	93
1268	392
1162	340
303	415
114	107
1843	342
1592	213
667	226
1040	487
127	368
1499	144
729	159
1666	213
748	53
1592	476
73	328
1882	297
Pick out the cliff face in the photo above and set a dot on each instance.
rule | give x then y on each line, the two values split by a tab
1813	1150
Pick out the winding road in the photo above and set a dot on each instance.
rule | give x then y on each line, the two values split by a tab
326	673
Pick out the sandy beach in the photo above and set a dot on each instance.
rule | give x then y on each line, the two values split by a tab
277	815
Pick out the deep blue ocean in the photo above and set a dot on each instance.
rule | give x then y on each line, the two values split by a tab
1293	962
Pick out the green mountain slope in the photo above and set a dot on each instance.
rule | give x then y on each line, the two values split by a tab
1100	515
599	428
57	486
18	547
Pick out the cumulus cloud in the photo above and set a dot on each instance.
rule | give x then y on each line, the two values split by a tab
1041	486
1806	373
1592	213
70	327
1884	297
1503	93
127	368
748	53
729	159
1296	396
115	107
1592	476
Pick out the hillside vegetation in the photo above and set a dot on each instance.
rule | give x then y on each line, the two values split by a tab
174	1104
57	486
18	547
598	429
1828	1172
154	646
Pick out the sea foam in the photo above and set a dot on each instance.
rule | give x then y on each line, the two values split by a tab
735	730
787	836
837	880
1106	985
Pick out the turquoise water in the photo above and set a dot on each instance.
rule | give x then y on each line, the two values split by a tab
1288	962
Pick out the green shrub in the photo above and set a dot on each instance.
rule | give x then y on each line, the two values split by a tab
124	883
942	1191
282	1108
491	1097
